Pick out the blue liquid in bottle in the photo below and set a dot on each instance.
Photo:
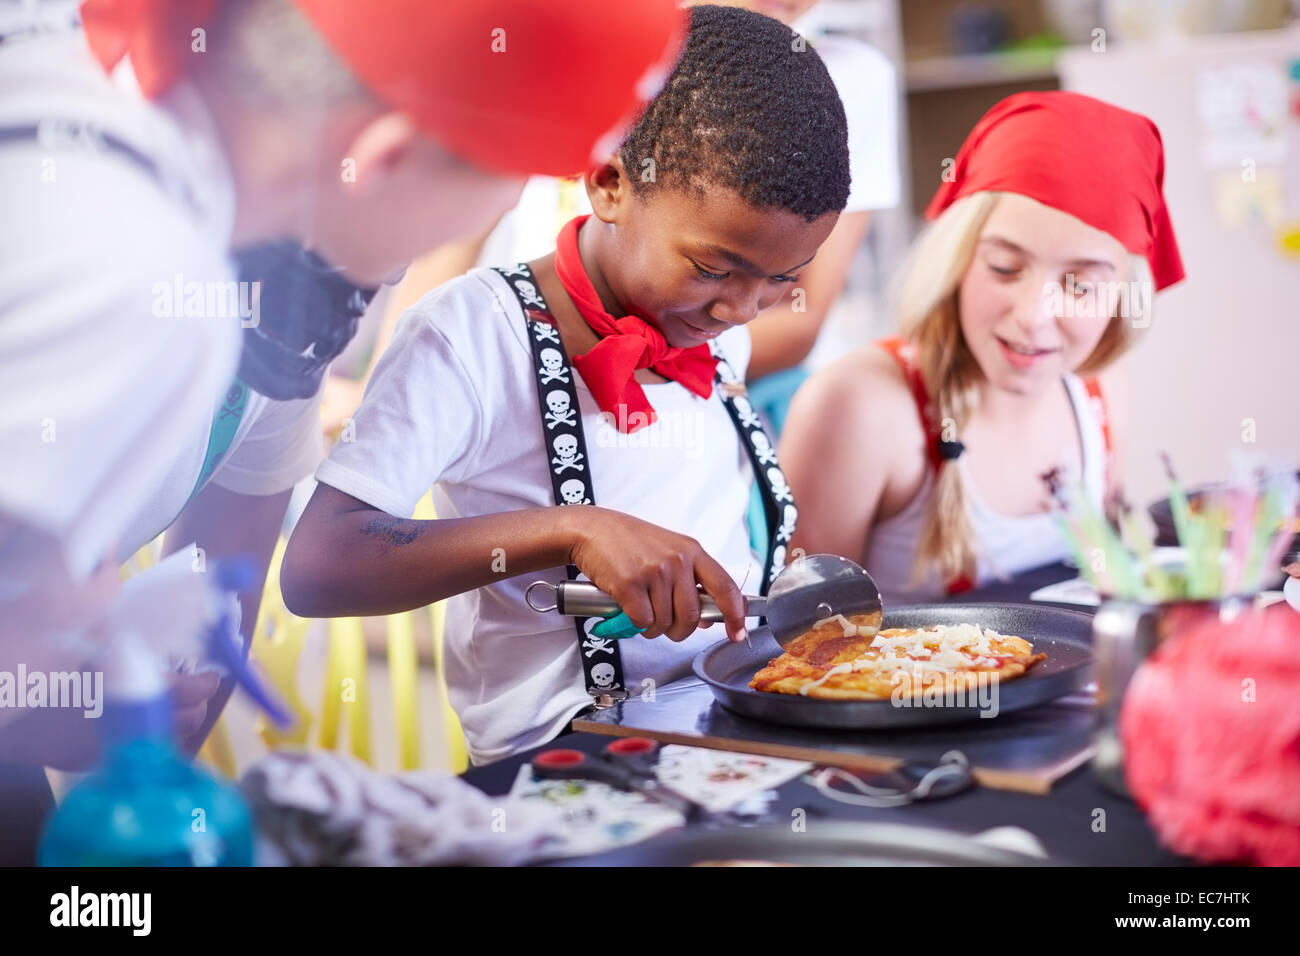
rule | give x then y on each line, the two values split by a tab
147	805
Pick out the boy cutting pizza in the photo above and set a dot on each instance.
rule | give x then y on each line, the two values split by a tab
547	403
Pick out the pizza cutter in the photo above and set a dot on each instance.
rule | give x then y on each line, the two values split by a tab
808	590
625	764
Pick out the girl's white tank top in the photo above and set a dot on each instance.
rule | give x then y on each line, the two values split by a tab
1006	544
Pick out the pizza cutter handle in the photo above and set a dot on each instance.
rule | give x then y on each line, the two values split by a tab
584	599
575	765
633	753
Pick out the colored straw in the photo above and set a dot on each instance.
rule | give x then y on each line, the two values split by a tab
1244	506
1270	513
1161	583
1073	531
1273	557
1099	533
1216	522
1179	507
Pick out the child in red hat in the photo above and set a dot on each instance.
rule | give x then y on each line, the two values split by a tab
921	456
147	380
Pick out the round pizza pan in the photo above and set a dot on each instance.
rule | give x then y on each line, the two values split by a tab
1065	636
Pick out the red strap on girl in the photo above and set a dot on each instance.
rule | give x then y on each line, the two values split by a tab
1097	402
903	353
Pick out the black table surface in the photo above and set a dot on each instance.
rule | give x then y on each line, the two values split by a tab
1066	821
1079	822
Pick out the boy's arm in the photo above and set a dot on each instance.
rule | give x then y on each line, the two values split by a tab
347	558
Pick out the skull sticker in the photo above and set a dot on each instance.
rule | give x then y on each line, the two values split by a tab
763	448
574	492
528	292
779	488
748	417
553	367
568	456
561	412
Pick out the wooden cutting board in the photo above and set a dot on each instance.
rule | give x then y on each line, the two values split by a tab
1026	751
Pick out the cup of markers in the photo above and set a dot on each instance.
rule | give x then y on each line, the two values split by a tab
1231	540
1231	544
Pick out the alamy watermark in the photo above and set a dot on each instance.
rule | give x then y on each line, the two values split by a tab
673	429
130	910
1071	299
979	690
208	299
38	689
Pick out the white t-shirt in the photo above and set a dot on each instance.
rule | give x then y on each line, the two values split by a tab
528	230
453	403
108	396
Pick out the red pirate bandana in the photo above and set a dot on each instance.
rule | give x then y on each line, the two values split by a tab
1097	162
493	81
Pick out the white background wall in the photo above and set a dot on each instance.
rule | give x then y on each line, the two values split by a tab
1225	343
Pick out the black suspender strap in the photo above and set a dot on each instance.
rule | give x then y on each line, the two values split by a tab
570	468
571	480
778	500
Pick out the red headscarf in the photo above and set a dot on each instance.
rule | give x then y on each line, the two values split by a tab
627	344
504	84
1097	162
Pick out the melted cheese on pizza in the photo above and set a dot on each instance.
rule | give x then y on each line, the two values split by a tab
846	659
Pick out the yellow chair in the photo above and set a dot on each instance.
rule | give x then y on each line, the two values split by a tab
278	641
346	683
217	751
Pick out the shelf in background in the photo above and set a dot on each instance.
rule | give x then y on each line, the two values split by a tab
984	69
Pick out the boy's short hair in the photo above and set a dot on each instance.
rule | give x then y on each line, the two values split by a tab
748	107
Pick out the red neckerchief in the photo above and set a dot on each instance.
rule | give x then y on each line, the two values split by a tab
626	344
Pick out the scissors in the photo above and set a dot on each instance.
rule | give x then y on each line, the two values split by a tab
625	764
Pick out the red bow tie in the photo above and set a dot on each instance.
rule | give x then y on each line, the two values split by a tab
626	344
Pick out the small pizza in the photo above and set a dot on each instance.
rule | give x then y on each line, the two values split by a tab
851	659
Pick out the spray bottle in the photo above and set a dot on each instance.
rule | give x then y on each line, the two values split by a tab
147	805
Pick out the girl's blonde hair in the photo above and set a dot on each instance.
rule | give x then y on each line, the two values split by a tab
928	318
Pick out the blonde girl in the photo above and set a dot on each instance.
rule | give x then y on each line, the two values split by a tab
922	456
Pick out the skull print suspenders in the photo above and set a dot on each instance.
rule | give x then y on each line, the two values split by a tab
778	499
566	444
571	481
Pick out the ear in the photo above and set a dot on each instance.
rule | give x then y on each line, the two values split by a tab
608	189
381	146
